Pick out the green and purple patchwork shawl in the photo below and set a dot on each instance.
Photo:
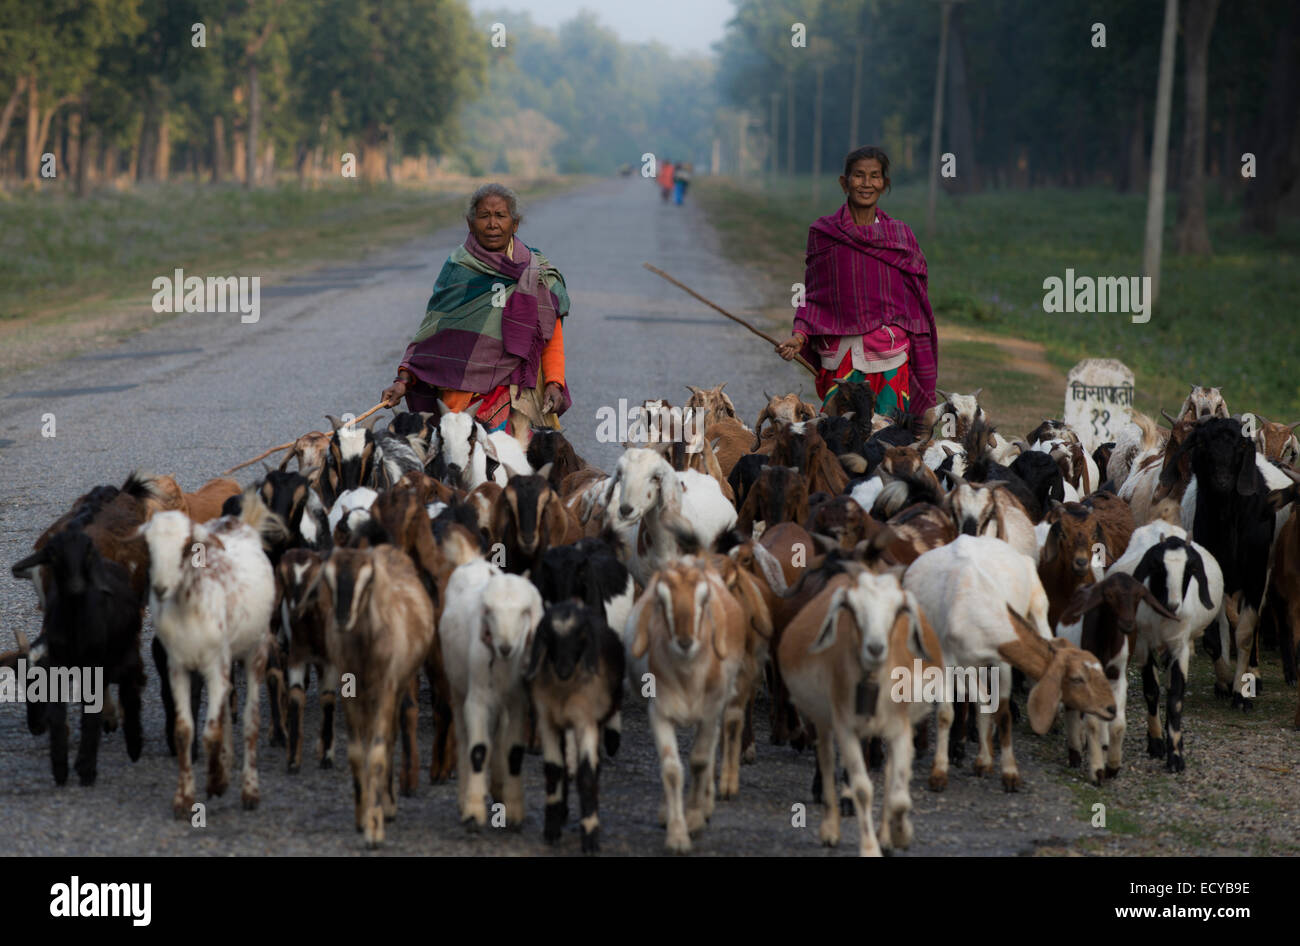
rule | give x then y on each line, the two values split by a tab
488	319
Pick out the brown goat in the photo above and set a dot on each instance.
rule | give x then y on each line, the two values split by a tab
528	517
806	451
711	400
788	409
730	440
780	494
842	518
382	631
918	529
1066	561
204	503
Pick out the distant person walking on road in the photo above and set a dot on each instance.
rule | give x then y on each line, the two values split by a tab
505	362
665	180
866	315
681	180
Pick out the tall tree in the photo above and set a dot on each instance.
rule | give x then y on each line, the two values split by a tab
1193	235
1160	152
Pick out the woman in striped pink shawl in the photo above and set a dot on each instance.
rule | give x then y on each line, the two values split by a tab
866	315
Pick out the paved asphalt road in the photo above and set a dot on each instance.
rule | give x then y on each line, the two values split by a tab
204	391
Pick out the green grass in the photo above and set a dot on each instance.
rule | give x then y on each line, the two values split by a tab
1226	320
55	248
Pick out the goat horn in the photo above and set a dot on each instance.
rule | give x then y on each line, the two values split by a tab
266	467
335	423
693	389
721	386
369	424
1165	414
1294	426
976	392
946	395
24	646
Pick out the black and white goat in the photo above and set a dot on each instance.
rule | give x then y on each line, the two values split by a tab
575	675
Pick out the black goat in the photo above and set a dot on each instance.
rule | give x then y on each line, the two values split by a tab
745	473
551	446
92	623
1042	475
1235	521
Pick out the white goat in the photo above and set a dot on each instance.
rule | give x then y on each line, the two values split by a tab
467	447
660	510
212	592
486	635
974	591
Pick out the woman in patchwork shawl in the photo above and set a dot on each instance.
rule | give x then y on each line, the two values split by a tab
491	340
867	315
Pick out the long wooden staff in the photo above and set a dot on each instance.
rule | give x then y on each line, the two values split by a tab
735	318
286	446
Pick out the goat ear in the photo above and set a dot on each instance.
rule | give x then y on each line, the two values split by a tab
919	630
1045	696
540	642
545	471
642	612
595	638
1051	547
1159	608
1246	473
1083	601
826	633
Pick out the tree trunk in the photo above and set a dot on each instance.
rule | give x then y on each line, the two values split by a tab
10	107
961	140
240	164
789	124
936	124
1193	234
218	148
1275	161
31	155
855	102
163	151
254	119
1137	148
78	161
817	134
372	154
1160	154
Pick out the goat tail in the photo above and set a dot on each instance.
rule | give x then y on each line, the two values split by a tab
1151	434
142	485
269	526
853	463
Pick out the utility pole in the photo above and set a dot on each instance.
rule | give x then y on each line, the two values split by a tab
1160	153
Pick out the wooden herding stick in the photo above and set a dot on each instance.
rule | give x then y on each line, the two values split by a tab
286	446
735	318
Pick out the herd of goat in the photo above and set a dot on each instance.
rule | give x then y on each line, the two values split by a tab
818	556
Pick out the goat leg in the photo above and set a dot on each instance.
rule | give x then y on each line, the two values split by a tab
92	725
410	717
1151	691
328	682
1174	710
588	773
56	714
128	692
555	777
250	791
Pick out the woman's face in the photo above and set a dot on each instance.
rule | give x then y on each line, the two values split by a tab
491	224
864	185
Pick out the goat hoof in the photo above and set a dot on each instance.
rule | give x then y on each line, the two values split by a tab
1076	759
612	740
249	800
61	774
799	741
182	806
679	841
830	834
1010	781
982	768
86	777
591	841
1174	763
1221	691
327	763
938	781
1098	776
1155	747
278	741
294	768
749	756
846	807
1242	703
1111	772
